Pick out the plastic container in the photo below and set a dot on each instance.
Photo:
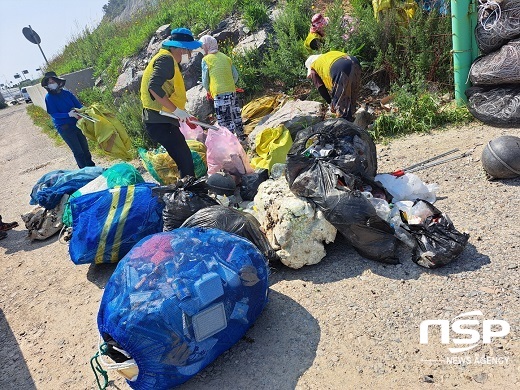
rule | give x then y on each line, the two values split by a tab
208	288
209	321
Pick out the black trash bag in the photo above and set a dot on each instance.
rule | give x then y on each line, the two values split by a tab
356	219
334	183
495	106
234	221
438	242
250	182
182	200
353	151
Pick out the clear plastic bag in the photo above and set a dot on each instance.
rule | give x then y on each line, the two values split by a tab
407	187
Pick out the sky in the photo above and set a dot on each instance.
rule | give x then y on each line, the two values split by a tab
55	21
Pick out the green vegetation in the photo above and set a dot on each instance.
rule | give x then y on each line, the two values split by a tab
105	47
41	119
255	14
417	111
284	63
409	56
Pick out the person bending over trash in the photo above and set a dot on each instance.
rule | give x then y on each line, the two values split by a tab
61	105
163	89
337	76
316	36
219	76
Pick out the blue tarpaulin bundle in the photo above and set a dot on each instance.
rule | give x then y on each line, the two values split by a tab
179	299
49	189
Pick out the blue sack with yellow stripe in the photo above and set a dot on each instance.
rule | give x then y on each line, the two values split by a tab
107	224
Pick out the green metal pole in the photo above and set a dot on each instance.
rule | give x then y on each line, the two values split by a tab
465	49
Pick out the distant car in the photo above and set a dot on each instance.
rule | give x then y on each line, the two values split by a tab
25	95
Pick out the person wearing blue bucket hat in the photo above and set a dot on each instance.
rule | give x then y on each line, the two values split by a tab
162	89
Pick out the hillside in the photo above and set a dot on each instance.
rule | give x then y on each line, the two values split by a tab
403	61
120	11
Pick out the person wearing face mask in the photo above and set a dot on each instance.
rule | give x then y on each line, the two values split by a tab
61	105
219	76
162	88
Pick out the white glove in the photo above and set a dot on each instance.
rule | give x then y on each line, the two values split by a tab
181	114
74	114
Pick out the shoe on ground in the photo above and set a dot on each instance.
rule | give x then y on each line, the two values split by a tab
5	226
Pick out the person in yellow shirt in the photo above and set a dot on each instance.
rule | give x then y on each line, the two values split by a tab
219	76
162	88
316	35
337	76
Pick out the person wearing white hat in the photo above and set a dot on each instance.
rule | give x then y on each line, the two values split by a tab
337	76
162	89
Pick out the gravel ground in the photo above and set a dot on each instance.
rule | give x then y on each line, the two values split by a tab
345	323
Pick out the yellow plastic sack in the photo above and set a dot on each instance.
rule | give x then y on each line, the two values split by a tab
272	146
162	167
256	109
108	132
406	9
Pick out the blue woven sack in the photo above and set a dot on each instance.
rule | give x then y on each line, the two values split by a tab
178	300
107	224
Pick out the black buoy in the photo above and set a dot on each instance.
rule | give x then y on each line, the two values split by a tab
501	157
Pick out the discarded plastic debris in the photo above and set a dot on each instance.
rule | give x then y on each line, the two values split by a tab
425	164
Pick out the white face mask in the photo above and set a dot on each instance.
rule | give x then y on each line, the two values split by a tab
52	86
185	59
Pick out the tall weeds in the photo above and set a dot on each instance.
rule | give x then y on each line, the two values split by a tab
409	56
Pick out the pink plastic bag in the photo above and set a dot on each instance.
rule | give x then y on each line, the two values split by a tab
197	133
224	152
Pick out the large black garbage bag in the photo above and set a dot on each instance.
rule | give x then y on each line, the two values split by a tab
356	219
182	200
334	183
353	151
438	242
233	221
495	106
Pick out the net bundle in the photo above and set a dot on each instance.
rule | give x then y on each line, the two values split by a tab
500	67
498	22
495	105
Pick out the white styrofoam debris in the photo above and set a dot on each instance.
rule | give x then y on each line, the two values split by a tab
293	226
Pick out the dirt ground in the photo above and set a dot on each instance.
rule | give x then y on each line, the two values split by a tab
345	323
